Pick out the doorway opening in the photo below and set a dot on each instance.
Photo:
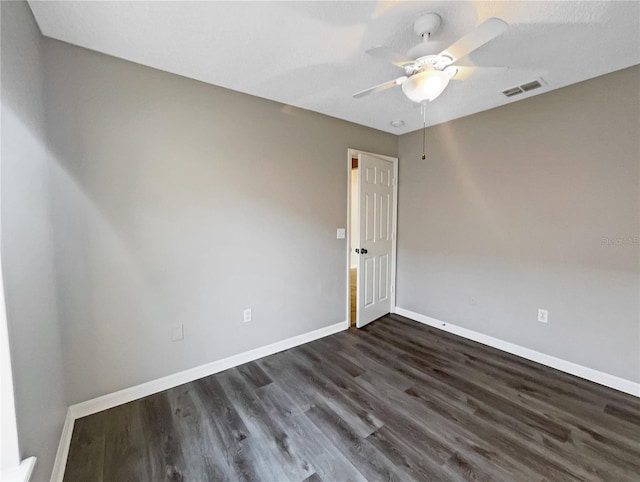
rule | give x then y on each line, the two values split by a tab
353	241
371	236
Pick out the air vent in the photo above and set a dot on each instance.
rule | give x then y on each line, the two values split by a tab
530	86
534	84
512	92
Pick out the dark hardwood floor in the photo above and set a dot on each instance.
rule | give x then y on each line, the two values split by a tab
395	400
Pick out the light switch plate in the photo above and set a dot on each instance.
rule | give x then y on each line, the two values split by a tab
543	316
341	233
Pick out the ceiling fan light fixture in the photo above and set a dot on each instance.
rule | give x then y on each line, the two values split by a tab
451	71
425	86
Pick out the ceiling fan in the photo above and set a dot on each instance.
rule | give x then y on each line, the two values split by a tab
427	75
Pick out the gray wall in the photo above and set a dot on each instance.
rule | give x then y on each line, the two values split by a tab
526	206
27	242
179	202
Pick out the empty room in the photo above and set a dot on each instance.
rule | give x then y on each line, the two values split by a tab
319	241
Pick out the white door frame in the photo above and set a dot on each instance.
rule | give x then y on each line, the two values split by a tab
392	279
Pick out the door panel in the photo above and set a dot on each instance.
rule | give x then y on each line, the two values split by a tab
369	216
385	177
384	221
375	187
369	174
369	281
383	277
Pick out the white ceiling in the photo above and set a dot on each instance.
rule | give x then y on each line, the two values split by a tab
312	54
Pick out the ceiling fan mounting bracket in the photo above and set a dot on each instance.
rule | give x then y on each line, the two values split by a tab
427	24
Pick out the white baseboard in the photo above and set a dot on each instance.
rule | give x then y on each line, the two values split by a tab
21	473
114	399
611	381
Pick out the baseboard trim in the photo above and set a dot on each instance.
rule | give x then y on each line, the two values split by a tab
130	394
602	378
21	473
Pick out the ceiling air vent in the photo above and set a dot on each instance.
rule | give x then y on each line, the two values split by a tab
522	88
513	91
530	86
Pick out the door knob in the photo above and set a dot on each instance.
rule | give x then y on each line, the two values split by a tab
357	251
363	251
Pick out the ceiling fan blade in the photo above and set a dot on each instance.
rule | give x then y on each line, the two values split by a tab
483	33
381	87
465	71
386	53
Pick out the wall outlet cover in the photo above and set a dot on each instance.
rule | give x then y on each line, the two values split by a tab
247	315
341	233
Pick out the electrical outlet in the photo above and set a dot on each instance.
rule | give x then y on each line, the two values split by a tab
543	315
341	233
247	315
177	333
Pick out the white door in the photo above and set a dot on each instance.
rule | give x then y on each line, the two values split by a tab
375	189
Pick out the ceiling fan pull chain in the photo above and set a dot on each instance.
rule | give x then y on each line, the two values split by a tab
424	130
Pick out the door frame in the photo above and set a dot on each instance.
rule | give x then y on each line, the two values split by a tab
394	239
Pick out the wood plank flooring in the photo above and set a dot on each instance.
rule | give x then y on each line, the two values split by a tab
395	400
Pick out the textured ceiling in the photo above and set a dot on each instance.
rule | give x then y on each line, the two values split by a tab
312	54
